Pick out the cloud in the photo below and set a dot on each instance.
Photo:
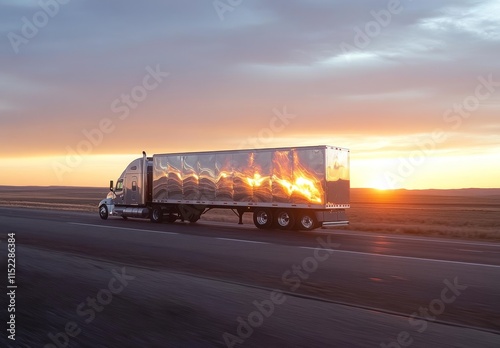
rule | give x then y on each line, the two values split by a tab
227	76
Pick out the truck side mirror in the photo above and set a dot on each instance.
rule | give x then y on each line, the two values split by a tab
111	186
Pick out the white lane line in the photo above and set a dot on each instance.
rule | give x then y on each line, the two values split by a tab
122	228
431	240
471	251
302	247
243	240
408	257
373	235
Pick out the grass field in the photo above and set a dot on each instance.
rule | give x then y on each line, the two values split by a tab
459	213
467	213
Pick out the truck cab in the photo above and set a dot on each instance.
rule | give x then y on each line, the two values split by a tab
130	196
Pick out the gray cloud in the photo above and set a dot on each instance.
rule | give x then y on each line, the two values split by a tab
263	55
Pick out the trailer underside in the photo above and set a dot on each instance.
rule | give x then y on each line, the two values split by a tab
285	218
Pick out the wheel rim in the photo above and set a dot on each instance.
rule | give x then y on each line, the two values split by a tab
103	211
284	219
156	214
307	222
262	218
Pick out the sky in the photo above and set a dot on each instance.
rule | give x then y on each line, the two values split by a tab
412	88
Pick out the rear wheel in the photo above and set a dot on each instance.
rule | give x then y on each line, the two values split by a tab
307	221
263	218
103	212
191	213
156	215
285	219
193	219
171	218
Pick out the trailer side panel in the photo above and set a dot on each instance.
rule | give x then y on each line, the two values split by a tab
285	177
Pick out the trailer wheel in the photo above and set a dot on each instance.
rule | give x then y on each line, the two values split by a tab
285	219
263	218
307	221
103	212
156	215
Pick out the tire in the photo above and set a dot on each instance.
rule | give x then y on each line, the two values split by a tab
285	219
263	218
171	218
306	221
193	219
103	212
156	215
124	217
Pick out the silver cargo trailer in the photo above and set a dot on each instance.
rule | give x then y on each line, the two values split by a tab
286	188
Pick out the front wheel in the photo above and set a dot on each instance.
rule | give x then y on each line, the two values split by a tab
156	215
103	212
263	218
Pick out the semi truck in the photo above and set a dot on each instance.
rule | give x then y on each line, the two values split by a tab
300	188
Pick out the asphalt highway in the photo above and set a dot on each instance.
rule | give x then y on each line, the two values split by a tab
85	282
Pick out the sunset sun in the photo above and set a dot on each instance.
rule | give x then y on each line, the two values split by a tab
380	184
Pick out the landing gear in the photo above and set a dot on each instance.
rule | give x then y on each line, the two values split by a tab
239	213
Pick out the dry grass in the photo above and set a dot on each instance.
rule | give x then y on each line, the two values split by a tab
473	214
55	198
459	213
